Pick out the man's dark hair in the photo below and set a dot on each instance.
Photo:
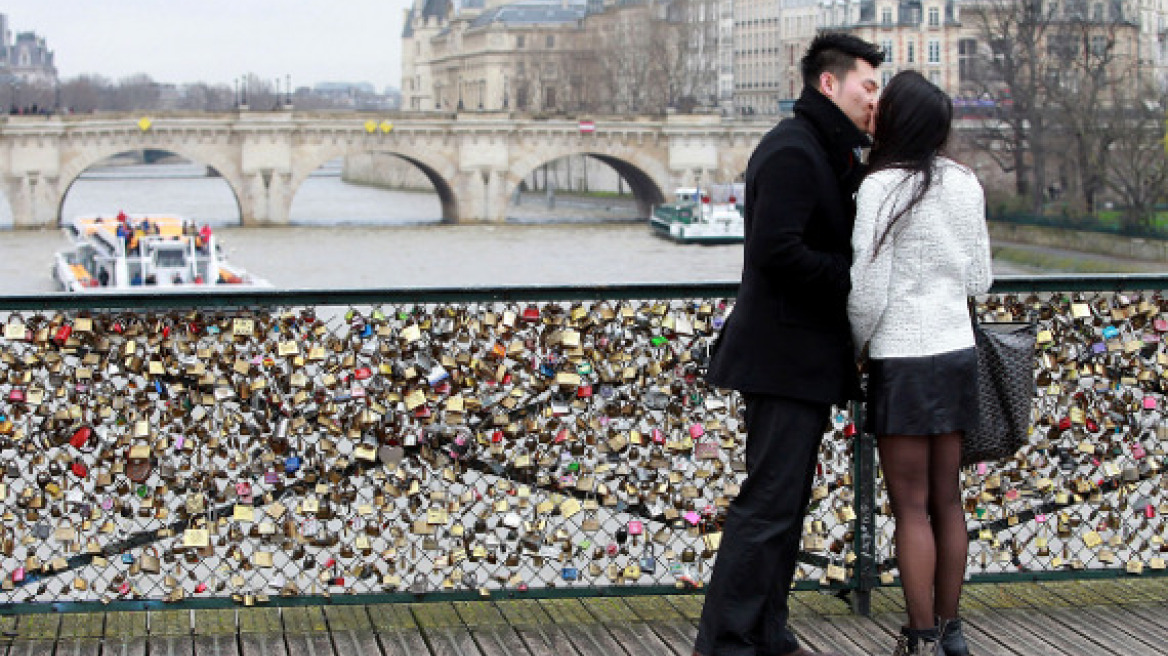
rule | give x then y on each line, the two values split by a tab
836	53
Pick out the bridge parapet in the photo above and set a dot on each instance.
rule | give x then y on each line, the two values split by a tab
475	161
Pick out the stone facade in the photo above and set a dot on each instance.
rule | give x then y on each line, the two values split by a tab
26	57
555	56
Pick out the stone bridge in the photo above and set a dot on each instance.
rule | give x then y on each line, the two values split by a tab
475	161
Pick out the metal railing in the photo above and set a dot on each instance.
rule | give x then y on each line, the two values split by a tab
300	447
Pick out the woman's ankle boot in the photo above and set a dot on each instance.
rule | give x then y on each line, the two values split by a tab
952	639
918	642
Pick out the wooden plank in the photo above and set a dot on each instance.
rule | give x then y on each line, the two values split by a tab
306	631
1117	640
170	633
690	606
817	634
352	631
1030	632
215	621
443	629
538	632
625	627
493	635
80	633
580	627
1151	632
215	632
259	619
125	633
216	645
664	620
36	635
262	644
868	636
397	631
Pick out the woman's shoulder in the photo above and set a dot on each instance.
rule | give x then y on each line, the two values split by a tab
961	171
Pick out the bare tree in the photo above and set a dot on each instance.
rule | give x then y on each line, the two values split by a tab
1137	172
84	93
1012	34
1087	67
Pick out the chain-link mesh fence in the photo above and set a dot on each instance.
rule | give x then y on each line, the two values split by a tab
301	447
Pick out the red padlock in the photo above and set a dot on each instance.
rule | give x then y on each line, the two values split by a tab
16	395
81	437
362	373
849	429
79	469
62	334
584	391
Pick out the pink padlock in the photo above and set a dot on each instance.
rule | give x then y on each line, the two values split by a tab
1149	402
18	575
696	430
1138	451
636	527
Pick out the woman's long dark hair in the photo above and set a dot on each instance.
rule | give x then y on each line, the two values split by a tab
912	128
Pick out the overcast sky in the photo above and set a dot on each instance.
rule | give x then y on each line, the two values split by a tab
216	41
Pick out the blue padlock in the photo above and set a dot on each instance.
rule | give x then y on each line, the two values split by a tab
292	464
1110	332
128	559
569	573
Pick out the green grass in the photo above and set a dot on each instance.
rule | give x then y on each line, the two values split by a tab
1050	262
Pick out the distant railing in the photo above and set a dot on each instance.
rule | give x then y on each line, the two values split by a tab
1083	223
381	445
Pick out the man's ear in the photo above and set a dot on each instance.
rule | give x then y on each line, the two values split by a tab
828	84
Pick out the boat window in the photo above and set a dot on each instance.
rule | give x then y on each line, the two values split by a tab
168	257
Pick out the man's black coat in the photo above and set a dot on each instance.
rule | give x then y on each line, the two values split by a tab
788	334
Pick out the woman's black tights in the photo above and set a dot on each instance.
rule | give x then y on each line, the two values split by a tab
931	541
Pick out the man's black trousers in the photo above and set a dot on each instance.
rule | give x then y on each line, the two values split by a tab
745	612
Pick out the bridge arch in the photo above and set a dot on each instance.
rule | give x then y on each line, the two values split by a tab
75	165
645	174
438	173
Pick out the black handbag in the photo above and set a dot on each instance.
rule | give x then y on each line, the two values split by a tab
1005	390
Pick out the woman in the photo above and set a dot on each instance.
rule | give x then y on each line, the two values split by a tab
920	249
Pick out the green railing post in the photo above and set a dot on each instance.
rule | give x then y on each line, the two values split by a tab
864	538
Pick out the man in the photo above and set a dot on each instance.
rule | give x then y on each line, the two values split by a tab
787	346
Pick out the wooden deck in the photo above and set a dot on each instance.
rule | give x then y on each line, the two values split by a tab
1123	617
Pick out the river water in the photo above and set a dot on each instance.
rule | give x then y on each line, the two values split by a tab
351	236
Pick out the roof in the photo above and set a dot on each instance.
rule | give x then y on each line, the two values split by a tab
430	9
533	12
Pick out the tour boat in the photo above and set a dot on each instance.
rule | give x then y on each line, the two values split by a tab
139	252
701	215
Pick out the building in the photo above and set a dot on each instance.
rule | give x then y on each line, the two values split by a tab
625	56
25	58
948	42
924	35
760	73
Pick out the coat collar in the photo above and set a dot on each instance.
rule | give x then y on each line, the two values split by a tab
844	142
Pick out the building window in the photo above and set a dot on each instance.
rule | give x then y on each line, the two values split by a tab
885	76
910	52
1099	45
1097	11
886	46
550	92
935	77
966	59
934	52
886	15
551	41
519	41
934	17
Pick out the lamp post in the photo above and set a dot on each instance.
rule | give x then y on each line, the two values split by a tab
288	91
276	103
236	97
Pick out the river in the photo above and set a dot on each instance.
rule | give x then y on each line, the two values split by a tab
351	236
